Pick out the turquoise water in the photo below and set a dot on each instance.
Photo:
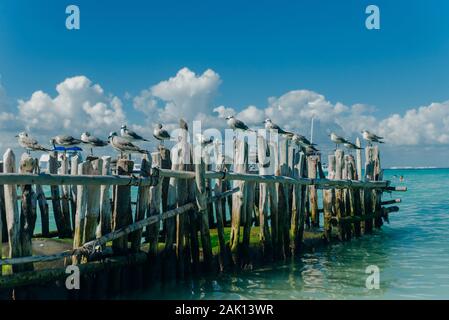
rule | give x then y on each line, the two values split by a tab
412	254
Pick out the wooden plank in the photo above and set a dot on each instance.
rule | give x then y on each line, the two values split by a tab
339	202
12	209
328	199
81	209
238	199
283	200
28	210
377	195
122	215
367	194
358	160
43	206
354	195
74	163
155	208
105	224
312	162
93	203
296	220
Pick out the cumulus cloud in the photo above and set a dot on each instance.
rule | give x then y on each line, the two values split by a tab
79	105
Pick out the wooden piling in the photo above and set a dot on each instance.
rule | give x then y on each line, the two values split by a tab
3	228
65	192
93	203
339	200
312	162
367	194
74	163
61	221
154	210
43	205
377	195
283	201
328	199
297	217
105	223
81	209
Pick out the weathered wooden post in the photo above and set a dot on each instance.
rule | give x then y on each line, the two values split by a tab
201	201
62	222
377	194
3	229
265	154
81	210
74	163
155	205
122	215
297	217
28	211
93	203
367	193
65	192
312	162
328	199
339	203
43	205
358	154
283	204
105	224
220	208
238	198
354	195
12	209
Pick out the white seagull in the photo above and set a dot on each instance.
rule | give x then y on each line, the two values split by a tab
235	124
203	140
161	134
351	146
29	143
337	139
301	140
269	125
65	141
87	138
371	137
123	145
130	135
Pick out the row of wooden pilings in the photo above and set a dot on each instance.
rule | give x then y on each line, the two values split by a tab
178	191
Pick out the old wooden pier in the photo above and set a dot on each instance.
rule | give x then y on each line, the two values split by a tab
189	217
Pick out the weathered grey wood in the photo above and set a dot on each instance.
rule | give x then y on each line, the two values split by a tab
201	201
43	206
60	220
155	208
93	203
122	215
105	224
28	210
283	200
74	162
3	228
377	195
220	208
328	199
312	162
367	194
339	202
81	209
238	199
12	209
65	191
296	220
354	195
265	154
358	159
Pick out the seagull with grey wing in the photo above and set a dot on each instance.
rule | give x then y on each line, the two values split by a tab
65	141
203	140
351	146
130	135
236	124
161	134
302	141
94	142
371	137
269	125
337	139
123	145
29	143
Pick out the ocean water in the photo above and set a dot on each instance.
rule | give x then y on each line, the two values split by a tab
412	254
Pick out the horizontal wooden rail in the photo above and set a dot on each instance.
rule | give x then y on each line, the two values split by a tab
91	246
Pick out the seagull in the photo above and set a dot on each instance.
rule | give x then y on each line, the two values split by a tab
309	150
161	134
203	140
130	135
87	138
301	140
123	145
235	124
65	141
371	137
351	146
269	125
337	139
29	143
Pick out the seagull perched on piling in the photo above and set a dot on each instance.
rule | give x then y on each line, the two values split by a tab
160	133
301	141
269	125
337	139
371	137
130	135
29	143
65	141
203	140
235	124
87	138
351	146
123	145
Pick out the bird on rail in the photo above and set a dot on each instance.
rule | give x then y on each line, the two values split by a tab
371	137
123	145
29	143
161	134
130	135
337	139
236	124
94	142
269	125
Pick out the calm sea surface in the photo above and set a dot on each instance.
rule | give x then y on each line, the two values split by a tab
412	254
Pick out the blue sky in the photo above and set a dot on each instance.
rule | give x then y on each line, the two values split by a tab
258	48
